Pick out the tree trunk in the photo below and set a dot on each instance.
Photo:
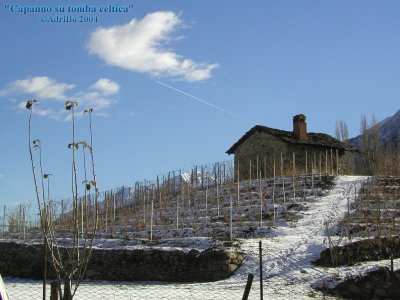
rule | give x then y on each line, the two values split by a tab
54	290
67	288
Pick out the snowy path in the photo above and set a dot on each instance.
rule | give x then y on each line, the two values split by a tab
287	255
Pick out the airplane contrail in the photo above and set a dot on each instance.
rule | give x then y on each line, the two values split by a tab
205	102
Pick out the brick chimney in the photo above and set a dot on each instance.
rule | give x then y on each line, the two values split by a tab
300	127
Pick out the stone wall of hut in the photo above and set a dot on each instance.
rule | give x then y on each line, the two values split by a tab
257	154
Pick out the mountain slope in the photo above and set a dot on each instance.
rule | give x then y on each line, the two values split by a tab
390	130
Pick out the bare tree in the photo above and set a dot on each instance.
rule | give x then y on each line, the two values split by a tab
342	134
391	158
341	131
371	146
69	263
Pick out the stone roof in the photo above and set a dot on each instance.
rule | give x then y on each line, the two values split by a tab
313	139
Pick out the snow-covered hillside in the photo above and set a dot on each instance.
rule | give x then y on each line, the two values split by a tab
288	249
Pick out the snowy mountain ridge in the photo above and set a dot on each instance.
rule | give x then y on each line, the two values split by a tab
390	131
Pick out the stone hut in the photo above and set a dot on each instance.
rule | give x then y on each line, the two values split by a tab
298	151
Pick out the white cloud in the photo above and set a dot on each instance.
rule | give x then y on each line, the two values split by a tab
138	46
41	87
94	99
100	96
106	86
43	112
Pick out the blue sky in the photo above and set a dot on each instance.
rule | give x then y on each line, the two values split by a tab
245	62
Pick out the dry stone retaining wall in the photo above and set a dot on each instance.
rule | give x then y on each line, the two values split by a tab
379	284
26	261
364	250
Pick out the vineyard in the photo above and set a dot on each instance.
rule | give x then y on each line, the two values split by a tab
205	202
376	212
